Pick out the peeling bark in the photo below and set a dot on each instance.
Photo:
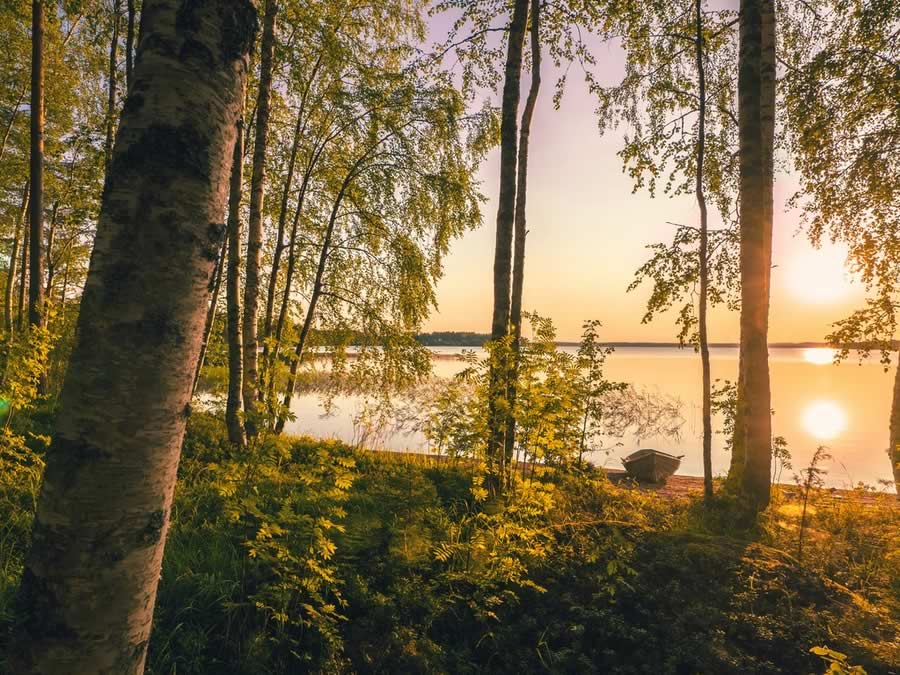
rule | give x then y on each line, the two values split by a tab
90	580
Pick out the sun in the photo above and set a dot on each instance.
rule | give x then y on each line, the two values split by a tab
824	419
817	276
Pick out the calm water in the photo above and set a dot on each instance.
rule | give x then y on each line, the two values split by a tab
844	407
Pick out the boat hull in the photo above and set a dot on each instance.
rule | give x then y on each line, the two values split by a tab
651	466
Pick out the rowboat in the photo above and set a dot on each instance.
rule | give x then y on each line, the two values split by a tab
651	466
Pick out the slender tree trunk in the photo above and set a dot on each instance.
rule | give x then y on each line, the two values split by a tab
210	316
13	260
36	226
65	286
894	449
89	584
129	44
518	276
767	121
504	237
51	241
255	225
288	282
234	406
269	353
285	197
112	77
318	284
23	275
755	398
279	239
704	260
12	121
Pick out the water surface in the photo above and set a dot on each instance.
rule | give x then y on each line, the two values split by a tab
845	407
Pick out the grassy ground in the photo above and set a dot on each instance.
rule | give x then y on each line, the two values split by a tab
307	556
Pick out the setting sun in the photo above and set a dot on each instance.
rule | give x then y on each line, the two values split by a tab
824	419
817	276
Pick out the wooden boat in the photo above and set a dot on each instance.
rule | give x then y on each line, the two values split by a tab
651	466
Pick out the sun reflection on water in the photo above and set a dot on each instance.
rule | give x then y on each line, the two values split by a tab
819	356
824	419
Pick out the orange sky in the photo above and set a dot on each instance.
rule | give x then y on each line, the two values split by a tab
587	234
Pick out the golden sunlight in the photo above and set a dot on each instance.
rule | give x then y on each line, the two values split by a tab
824	419
817	276
819	356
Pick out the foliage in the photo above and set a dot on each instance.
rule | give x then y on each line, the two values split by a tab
810	478
21	450
838	664
310	556
565	406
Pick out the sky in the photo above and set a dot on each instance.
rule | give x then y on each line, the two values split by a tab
588	233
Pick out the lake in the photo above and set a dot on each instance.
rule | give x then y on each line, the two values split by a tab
844	407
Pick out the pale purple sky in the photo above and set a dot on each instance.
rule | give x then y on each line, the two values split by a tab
588	232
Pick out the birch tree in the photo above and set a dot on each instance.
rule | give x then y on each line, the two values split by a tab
90	580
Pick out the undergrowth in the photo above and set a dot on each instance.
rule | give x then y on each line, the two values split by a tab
303	555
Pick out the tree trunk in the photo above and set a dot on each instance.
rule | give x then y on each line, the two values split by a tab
704	260
89	584
65	286
269	353
279	239
288	279
111	86
210	316
504	235
755	402
36	226
23	274
316	293
12	121
518	277
51	241
285	196
13	260
894	449
234	406
129	45
255	225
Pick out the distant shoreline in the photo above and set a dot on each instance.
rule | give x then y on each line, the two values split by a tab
459	339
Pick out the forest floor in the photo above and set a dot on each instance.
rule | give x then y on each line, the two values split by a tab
307	556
